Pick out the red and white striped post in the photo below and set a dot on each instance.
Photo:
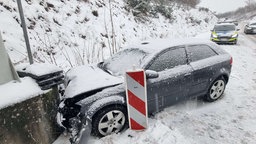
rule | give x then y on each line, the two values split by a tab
136	96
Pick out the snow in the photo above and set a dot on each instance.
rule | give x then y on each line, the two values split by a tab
38	69
157	133
100	103
86	78
75	38
127	58
107	92
69	35
16	92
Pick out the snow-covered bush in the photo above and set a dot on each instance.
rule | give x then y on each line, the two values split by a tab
77	32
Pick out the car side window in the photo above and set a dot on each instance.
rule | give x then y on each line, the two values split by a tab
169	59
198	52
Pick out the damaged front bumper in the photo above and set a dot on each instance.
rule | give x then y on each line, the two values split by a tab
79	129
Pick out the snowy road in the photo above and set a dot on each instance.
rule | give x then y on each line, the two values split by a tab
230	120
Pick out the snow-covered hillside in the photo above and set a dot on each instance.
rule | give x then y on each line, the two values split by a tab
71	32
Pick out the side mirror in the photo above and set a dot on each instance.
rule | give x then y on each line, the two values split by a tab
211	30
151	74
237	29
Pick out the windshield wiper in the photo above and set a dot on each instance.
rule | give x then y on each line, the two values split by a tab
102	66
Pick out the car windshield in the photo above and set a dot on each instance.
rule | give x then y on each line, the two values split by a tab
123	61
224	27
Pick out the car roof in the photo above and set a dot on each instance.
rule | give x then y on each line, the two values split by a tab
157	45
225	24
252	22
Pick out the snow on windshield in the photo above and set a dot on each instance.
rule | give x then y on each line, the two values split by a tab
124	60
224	27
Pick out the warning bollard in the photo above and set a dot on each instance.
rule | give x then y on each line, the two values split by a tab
136	96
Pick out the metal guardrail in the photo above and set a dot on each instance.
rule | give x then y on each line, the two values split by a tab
46	81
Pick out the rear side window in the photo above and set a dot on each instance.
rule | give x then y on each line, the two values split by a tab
169	59
198	52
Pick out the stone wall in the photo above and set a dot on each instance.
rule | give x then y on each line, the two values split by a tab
31	122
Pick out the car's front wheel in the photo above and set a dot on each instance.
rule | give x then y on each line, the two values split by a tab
245	32
216	89
111	119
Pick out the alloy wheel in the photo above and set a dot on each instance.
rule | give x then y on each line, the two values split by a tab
217	89
113	121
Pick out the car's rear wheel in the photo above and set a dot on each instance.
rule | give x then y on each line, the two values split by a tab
111	119
216	89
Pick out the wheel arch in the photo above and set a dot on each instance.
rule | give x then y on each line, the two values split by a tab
222	75
226	77
207	95
102	103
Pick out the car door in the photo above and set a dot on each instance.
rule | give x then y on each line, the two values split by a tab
201	59
174	78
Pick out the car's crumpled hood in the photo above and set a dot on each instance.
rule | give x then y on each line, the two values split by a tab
87	78
225	33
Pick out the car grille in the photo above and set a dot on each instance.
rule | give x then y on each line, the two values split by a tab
224	37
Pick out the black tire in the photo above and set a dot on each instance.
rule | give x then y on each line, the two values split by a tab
216	90
117	123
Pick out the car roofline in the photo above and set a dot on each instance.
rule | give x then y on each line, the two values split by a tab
157	45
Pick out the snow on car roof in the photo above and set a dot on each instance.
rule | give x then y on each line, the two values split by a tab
225	23
157	45
252	22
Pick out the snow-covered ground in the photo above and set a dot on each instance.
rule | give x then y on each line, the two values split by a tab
69	33
230	120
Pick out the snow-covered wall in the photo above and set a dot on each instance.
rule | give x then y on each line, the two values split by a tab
75	32
32	121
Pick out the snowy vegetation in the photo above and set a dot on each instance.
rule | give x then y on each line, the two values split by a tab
246	12
68	33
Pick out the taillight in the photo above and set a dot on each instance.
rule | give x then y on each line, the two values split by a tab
231	61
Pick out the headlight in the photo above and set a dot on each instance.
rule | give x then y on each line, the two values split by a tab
214	36
249	27
235	35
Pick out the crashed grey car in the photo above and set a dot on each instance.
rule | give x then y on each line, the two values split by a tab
175	70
